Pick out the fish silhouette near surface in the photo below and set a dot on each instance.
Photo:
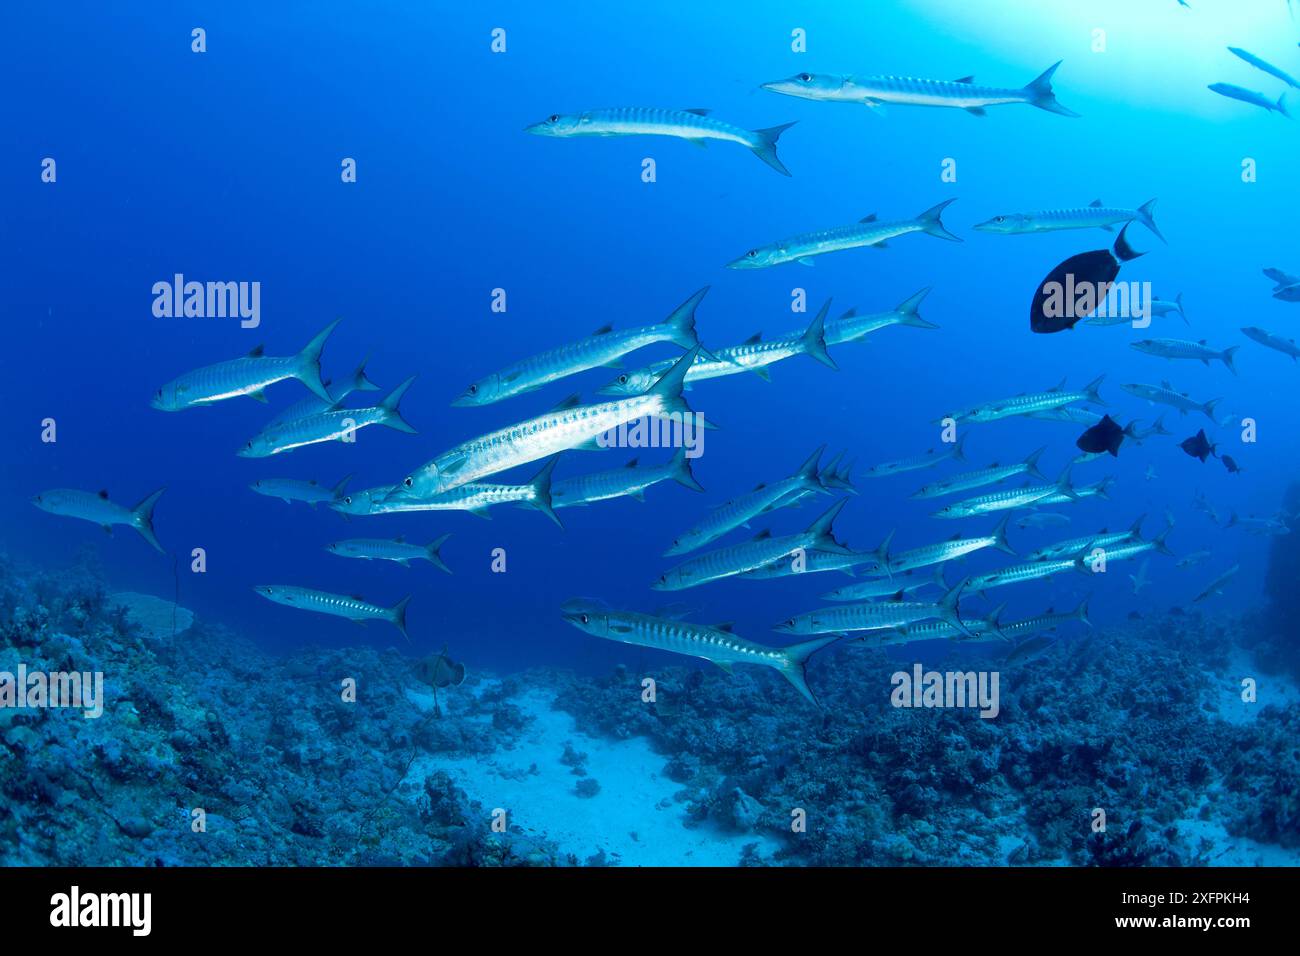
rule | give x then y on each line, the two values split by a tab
1077	287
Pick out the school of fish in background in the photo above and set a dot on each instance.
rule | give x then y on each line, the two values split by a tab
898	595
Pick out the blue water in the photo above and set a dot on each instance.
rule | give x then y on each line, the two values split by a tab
226	166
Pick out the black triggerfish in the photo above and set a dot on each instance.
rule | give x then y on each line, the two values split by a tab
1077	287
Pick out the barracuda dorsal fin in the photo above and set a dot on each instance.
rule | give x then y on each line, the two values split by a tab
763	535
572	401
631	464
256	352
698	112
753	339
965	79
103	494
728	626
400	539
870	218
1095	204
604	330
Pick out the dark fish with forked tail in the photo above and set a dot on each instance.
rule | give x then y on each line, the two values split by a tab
1078	286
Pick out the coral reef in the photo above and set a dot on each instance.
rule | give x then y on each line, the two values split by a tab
212	752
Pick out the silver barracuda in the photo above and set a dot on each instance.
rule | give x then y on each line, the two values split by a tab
1021	573
98	509
878	615
1267	527
332	425
339	605
982	631
1124	550
931	457
1102	539
603	348
1033	403
1092	216
1011	499
1268	339
1164	394
695	126
1071	414
955	547
764	549
739	511
1163	307
1254	98
962	94
567	426
904	583
718	644
290	490
817	562
1216	586
992	475
477	497
249	375
852	326
1098	489
753	355
869	231
630	481
358	382
1048	621
398	550
1264	65
1183	349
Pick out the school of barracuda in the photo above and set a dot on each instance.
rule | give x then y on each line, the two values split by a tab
883	605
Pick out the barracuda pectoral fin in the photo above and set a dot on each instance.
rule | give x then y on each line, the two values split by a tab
764	374
977	111
480	513
699	143
259	395
725	665
805	261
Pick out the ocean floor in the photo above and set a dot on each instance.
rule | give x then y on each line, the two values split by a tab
210	751
636	815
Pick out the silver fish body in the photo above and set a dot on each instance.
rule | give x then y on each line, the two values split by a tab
98	509
337	605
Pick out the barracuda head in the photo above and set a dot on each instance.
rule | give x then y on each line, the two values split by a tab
482	392
359	502
557	124
757	258
260	446
809	86
633	382
422	483
169	398
1010	223
587	615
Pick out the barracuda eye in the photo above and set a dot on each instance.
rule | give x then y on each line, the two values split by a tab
663	579
347	500
586	619
473	389
752	254
805	77
408	482
622	379
999	218
790	623
554	118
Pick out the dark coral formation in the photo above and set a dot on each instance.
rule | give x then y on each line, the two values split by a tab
1122	721
285	771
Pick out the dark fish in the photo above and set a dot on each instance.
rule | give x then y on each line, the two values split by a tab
1077	287
1135	615
1230	463
439	670
1104	436
1198	446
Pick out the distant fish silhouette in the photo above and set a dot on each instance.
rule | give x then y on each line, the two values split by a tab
1198	446
1078	286
1105	436
1230	463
